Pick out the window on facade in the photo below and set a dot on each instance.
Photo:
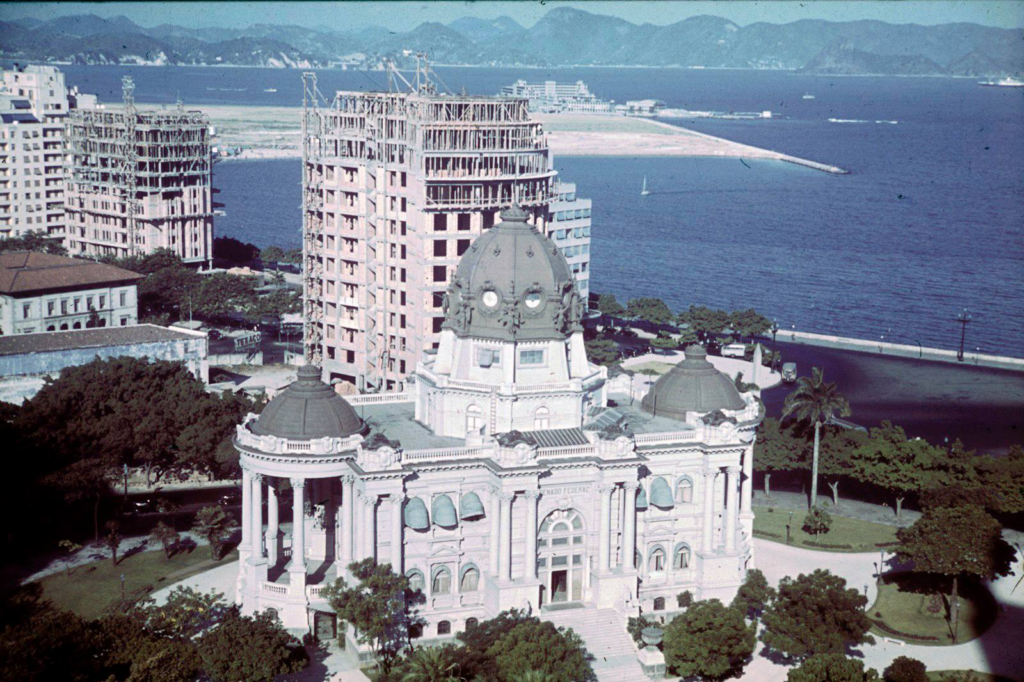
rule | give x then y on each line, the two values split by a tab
76	325
442	583
463	221
440	273
682	558
488	357
50	328
124	321
415	631
444	628
75	304
440	222
657	562
415	581
25	309
437	322
470	580
531	357
462	246
684	491
440	248
49	307
542	418
474	418
659	603
64	327
471	623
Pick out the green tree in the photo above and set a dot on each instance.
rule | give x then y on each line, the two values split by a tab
703	321
905	669
51	645
817	522
708	640
754	595
276	303
272	254
778	448
535	645
664	341
166	536
607	304
34	240
957	543
602	351
1003	477
478	640
166	661
815	614
896	464
652	310
234	251
185	614
257	649
212	525
831	668
375	606
835	455
112	540
749	323
431	664
816	401
69	548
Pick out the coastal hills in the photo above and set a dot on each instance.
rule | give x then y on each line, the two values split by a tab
812	46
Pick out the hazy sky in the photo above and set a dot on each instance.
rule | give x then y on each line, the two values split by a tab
405	15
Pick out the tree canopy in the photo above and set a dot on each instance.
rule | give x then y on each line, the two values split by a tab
892	462
607	304
652	310
704	321
832	668
234	251
815	614
535	645
34	240
244	648
749	322
709	640
779	448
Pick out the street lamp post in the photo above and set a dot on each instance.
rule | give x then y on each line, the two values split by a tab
775	355
964	319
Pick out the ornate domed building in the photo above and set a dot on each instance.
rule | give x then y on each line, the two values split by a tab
510	475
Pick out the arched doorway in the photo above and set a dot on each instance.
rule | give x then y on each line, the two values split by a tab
562	557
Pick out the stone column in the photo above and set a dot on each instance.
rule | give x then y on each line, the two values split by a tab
348	532
396	533
245	547
604	551
505	549
369	529
359	527
709	509
273	522
256	518
732	475
747	483
297	565
629	529
531	534
494	512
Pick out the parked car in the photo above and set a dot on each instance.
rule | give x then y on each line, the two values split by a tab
789	372
734	350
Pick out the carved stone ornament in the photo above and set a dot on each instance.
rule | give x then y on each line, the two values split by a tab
511	316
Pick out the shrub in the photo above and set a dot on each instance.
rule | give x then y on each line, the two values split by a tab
635	626
899	633
934	606
684	599
817	522
905	669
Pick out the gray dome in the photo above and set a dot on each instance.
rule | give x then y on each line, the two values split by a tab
308	409
694	385
513	284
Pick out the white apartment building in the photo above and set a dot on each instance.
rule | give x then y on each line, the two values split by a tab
40	292
396	186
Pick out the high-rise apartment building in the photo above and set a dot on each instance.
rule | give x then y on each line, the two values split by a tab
138	181
396	185
33	107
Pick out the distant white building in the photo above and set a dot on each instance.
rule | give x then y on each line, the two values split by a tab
508	476
40	292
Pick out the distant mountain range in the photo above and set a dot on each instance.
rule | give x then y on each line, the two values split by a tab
563	37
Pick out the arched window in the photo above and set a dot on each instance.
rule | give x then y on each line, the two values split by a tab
659	603
416	582
541	418
470	580
474	418
272	613
103	323
51	328
684	491
656	562
442	582
444	628
471	623
64	327
415	631
681	560
76	325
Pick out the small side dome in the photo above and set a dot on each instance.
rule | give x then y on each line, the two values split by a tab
694	385
443	512
661	494
416	514
641	500
470	507
308	409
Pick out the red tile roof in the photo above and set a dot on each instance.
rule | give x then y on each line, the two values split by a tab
26	272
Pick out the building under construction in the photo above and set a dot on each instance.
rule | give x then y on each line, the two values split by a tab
396	185
138	181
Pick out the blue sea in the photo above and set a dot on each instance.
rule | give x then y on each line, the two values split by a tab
930	219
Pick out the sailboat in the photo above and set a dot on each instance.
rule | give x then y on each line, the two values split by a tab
644	191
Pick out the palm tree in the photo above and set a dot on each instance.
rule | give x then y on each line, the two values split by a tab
818	402
431	664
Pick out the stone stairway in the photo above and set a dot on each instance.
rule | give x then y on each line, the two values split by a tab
604	633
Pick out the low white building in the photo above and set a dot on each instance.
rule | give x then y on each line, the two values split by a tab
508	476
41	292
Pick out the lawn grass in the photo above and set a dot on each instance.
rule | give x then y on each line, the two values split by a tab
901	606
654	368
852	535
965	676
90	588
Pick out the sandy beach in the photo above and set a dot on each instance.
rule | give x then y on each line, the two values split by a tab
274	132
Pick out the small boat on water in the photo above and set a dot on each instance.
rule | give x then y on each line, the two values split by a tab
643	190
270	90
1004	83
808	96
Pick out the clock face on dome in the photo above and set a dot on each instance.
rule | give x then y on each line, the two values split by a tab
490	299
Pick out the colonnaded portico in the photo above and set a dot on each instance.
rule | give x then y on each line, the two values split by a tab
483	506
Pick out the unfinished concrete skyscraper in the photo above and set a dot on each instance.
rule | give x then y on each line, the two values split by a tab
138	181
396	185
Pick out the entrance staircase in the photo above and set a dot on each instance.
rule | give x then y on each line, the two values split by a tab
604	633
